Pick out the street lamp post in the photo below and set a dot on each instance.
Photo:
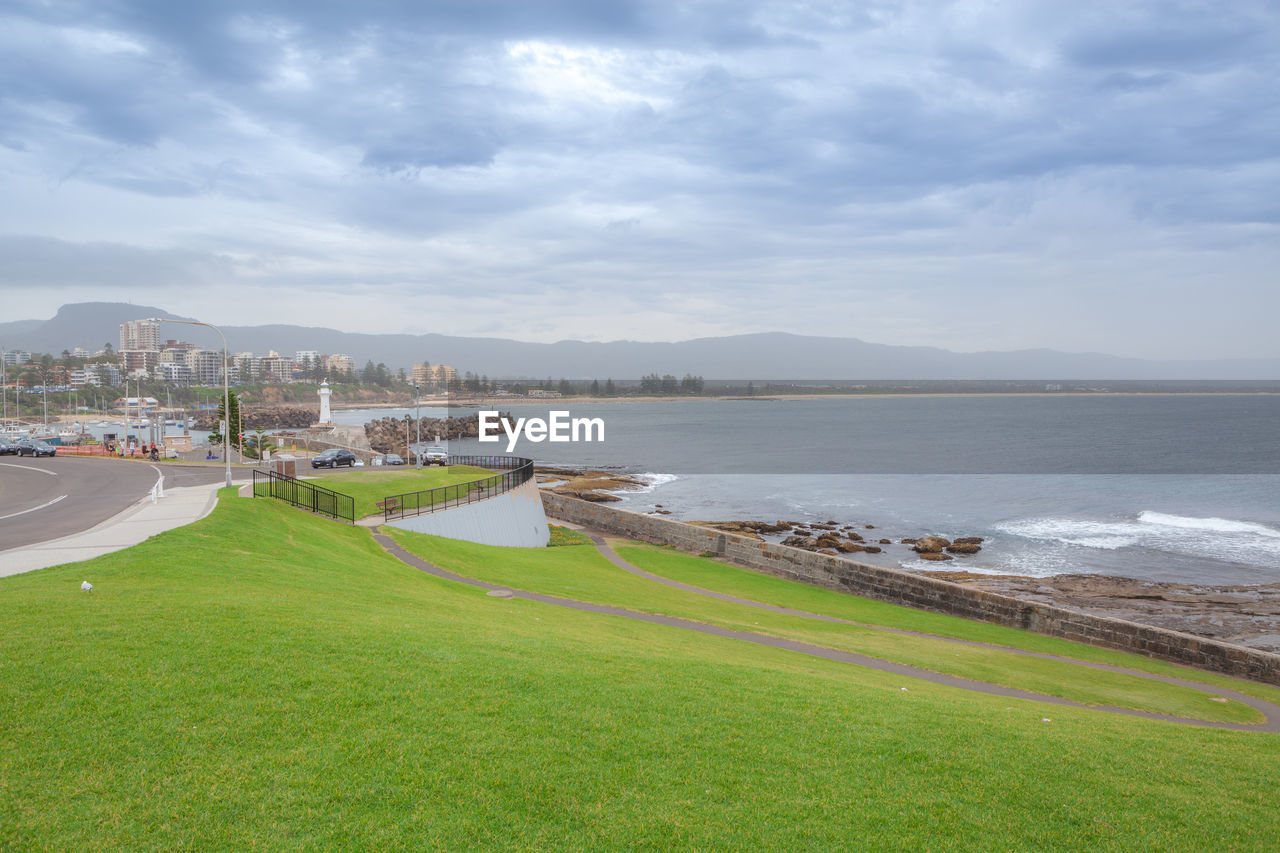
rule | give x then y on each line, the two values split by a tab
226	389
417	427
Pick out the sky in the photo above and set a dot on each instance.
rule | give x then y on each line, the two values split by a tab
1084	176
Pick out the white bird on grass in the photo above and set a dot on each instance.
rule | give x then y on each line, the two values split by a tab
86	586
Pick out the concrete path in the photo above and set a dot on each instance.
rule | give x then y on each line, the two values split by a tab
139	522
1269	711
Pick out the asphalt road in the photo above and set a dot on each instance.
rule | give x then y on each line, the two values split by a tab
43	499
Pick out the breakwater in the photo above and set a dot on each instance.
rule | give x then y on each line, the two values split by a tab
926	593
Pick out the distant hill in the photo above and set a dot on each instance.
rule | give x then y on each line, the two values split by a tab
770	355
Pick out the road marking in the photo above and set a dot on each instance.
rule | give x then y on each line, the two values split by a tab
33	509
29	468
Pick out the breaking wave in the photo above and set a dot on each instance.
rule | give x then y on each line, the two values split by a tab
1211	538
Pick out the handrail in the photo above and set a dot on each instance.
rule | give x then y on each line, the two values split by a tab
309	496
443	497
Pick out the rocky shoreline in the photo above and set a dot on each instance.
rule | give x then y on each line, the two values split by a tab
1244	615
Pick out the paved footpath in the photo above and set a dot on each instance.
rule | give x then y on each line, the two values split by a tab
1269	711
139	522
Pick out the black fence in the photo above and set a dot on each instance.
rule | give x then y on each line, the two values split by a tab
269	484
518	471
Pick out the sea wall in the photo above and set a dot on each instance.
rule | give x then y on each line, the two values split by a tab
922	592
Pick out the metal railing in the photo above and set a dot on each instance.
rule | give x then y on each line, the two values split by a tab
518	471
318	499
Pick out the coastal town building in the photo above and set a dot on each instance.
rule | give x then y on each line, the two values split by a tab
276	368
433	375
248	365
14	358
173	373
206	366
338	363
135	360
140	335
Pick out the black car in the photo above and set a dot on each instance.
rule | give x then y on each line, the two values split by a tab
392	459
8	448
333	458
29	447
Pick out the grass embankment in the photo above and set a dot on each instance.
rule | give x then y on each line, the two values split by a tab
733	580
370	485
268	679
582	573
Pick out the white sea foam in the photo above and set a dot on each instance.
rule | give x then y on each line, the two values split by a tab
1221	525
1208	538
653	481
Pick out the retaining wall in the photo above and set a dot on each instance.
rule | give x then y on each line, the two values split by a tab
923	592
514	518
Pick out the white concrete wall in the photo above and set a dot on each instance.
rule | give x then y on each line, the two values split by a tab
514	519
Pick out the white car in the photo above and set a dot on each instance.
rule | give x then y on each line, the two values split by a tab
435	456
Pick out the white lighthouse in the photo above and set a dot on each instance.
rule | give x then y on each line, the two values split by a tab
325	416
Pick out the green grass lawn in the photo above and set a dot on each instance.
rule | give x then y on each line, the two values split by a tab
370	485
756	586
267	679
582	573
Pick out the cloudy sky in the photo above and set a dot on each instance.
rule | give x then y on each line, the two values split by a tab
973	175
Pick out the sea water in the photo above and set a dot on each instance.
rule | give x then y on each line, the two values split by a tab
1179	488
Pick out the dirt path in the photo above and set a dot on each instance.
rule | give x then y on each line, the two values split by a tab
1270	712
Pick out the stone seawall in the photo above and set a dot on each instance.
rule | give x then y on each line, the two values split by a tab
925	593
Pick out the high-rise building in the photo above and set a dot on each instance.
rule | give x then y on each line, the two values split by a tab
133	360
140	335
206	366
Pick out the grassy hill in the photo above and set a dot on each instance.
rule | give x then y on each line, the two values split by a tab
265	679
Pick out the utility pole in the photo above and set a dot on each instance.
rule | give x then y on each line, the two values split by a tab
417	425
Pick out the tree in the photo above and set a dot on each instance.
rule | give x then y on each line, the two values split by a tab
564	388
609	389
691	384
233	422
595	387
369	376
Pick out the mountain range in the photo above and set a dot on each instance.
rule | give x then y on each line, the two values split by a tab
762	356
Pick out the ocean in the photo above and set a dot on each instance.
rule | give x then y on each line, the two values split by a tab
1182	488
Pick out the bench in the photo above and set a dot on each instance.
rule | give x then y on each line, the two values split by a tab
389	505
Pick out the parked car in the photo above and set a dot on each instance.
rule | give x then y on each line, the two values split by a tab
8	448
333	458
392	459
435	456
31	447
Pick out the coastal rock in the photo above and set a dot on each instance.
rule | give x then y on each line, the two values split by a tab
848	547
907	541
959	547
930	545
968	540
594	497
804	542
829	552
936	557
872	549
854	536
886	542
